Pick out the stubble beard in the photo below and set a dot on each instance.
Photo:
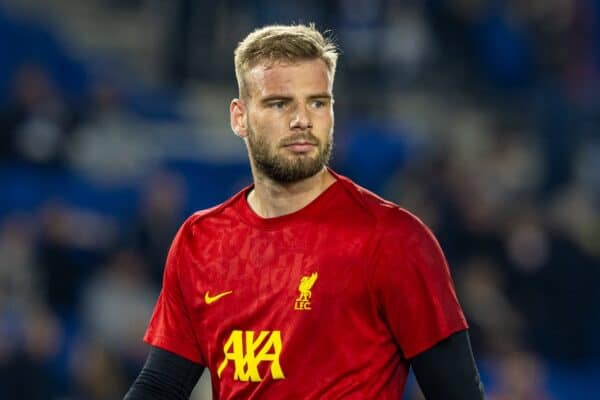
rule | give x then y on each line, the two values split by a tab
283	168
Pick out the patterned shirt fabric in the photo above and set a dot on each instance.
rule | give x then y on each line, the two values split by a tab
328	302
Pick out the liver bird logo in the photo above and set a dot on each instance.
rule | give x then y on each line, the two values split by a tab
306	284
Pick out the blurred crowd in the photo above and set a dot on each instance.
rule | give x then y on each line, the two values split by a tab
481	117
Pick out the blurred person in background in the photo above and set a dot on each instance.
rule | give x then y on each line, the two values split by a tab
158	220
71	243
30	334
520	376
250	285
36	127
111	144
115	305
97	373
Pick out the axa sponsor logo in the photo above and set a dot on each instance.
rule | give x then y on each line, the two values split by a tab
245	351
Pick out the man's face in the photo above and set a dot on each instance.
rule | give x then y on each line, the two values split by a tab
289	119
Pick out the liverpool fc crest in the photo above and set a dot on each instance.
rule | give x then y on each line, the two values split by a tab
306	284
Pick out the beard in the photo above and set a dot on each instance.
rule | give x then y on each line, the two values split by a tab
283	168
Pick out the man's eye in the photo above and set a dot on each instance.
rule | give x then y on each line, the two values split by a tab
277	105
319	104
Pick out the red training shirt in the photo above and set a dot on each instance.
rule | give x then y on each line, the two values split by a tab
328	302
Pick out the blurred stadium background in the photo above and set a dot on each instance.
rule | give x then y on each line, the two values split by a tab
482	117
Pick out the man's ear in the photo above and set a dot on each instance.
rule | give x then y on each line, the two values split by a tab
237	116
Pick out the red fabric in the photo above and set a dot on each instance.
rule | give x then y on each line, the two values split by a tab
382	293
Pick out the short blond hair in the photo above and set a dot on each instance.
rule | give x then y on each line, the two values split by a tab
282	43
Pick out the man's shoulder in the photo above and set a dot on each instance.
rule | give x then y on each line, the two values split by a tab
200	217
387	214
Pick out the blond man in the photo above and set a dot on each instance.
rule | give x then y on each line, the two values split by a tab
303	285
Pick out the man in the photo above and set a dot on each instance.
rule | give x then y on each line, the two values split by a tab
303	285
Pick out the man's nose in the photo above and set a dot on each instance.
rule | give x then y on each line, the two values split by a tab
301	118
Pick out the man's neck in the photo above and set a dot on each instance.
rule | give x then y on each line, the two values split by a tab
271	199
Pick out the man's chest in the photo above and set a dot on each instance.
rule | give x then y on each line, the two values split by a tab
278	276
278	296
276	267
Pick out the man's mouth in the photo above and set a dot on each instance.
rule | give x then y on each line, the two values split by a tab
300	146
